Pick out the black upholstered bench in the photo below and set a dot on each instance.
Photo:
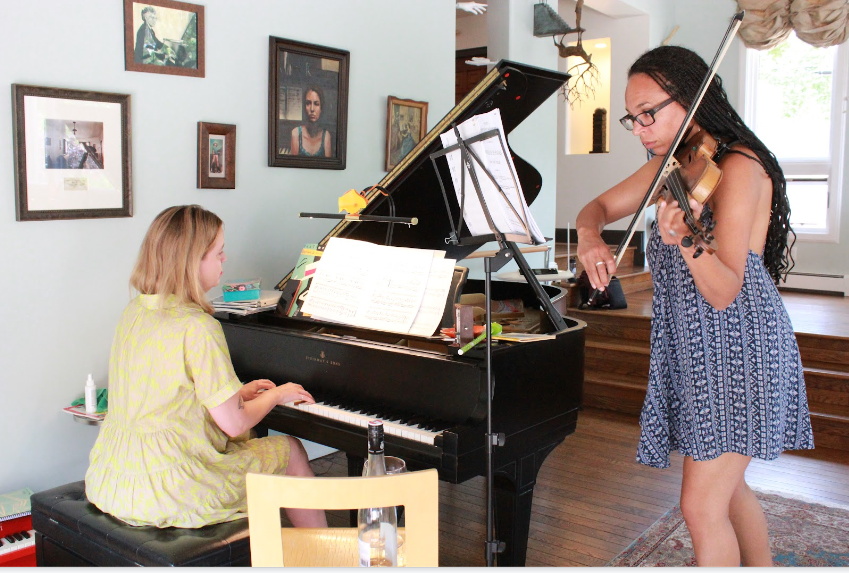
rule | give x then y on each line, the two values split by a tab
70	531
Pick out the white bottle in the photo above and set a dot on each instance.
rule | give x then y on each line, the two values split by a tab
377	526
90	396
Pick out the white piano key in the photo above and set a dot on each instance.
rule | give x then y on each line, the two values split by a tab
10	546
404	431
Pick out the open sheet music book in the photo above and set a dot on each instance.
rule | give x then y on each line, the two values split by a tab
394	289
497	160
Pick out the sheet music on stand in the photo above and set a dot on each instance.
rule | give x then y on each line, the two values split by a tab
496	179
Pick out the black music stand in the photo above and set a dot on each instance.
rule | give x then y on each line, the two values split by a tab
507	251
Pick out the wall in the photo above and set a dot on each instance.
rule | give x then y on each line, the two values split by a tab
66	281
582	177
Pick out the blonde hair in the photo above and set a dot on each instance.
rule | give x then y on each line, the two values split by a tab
171	252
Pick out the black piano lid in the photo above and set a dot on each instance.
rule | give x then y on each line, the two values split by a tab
517	90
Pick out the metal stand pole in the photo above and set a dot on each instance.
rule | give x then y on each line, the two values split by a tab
493	546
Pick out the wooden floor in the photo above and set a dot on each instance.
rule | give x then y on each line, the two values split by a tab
592	499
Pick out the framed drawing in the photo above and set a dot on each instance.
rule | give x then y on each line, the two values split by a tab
72	154
406	125
216	156
164	37
307	105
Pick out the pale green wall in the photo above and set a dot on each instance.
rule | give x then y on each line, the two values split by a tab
65	282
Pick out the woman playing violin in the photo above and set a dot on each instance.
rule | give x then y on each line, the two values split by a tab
725	377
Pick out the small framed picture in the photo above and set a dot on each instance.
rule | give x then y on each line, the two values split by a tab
216	156
164	37
72	154
307	105
406	125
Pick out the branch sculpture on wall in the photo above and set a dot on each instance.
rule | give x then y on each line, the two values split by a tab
585	75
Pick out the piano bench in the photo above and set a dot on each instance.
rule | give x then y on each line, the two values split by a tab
70	531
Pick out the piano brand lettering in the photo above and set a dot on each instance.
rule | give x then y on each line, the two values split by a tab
322	359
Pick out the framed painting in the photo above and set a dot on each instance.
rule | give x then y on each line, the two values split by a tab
72	154
216	156
307	105
164	37
406	125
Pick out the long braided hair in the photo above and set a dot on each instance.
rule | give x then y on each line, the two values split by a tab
680	73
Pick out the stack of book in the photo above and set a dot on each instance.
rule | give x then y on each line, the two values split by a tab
267	301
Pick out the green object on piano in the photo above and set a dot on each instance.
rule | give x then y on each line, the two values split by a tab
102	400
15	503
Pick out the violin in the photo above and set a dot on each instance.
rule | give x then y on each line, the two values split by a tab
693	173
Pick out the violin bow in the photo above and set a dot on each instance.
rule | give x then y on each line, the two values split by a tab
658	180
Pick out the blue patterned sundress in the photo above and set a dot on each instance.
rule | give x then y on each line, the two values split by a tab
720	380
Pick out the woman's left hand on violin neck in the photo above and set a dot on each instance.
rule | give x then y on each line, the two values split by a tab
671	223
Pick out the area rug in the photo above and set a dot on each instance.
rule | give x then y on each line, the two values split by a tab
801	534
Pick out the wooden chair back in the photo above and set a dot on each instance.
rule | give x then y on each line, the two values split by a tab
417	491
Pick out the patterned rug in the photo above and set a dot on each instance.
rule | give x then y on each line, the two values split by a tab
801	534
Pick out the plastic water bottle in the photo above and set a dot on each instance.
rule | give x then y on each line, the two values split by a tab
90	396
377	527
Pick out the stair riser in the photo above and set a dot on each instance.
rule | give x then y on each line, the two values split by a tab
626	400
826	389
629	364
825	352
830	432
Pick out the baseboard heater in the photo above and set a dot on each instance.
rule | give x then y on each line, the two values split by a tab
816	283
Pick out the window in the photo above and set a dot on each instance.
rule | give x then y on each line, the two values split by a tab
795	101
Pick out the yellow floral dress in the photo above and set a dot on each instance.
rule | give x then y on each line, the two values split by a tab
160	459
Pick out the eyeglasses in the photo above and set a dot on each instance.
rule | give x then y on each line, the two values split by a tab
645	118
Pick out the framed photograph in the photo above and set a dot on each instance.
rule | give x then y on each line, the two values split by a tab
307	105
216	156
164	37
72	154
406	125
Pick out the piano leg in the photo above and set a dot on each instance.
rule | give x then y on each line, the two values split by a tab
513	487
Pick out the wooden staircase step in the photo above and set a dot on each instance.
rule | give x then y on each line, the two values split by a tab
824	352
827	387
611	395
830	430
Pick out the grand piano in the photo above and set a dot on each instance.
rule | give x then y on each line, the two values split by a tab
433	401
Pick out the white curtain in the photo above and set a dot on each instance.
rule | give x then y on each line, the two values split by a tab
818	22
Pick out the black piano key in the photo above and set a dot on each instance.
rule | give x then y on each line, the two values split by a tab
25	534
18	536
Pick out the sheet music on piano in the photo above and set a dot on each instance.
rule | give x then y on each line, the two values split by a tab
500	164
394	289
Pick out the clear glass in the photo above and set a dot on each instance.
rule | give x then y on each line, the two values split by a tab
793	99
808	204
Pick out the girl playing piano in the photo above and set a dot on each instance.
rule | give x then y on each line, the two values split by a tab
174	449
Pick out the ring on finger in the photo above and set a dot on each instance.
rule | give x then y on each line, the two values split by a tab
672	233
599	263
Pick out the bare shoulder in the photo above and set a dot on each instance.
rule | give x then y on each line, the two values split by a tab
743	175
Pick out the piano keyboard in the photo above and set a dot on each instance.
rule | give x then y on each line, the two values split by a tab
16	541
414	430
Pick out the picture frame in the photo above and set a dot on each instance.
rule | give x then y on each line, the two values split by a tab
216	155
84	172
307	105
164	37
406	125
